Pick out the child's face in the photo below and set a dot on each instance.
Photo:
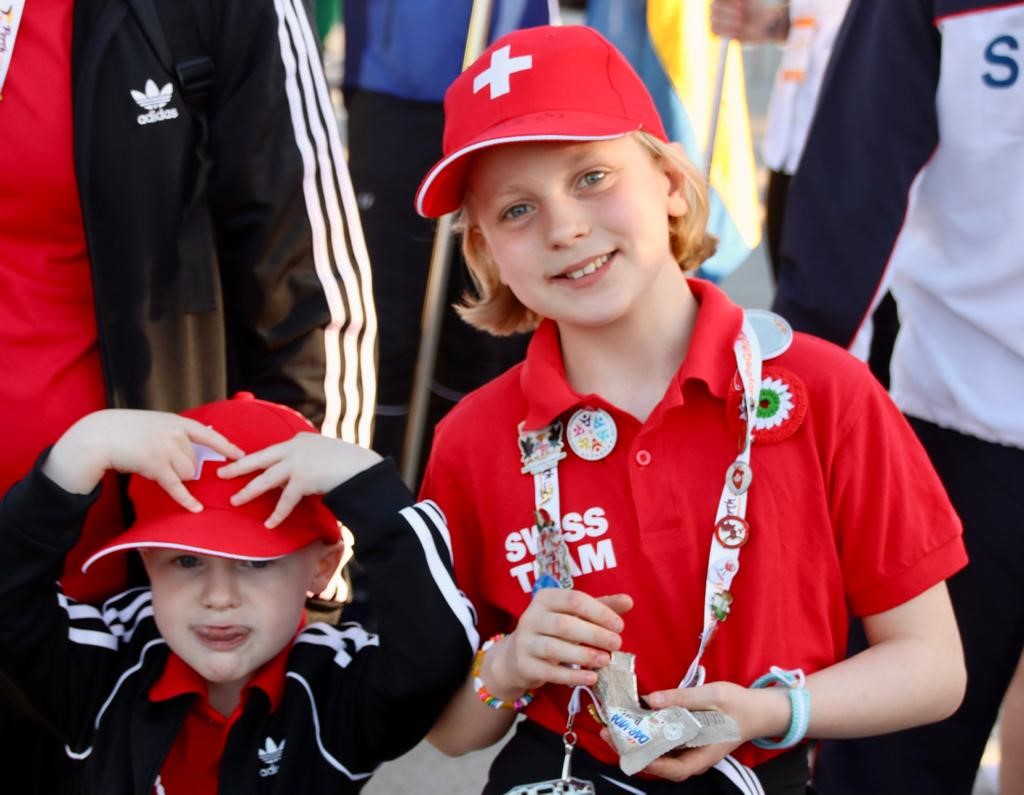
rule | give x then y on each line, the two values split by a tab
578	231
225	617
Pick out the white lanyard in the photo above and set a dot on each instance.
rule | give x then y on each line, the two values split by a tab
10	20
542	450
731	529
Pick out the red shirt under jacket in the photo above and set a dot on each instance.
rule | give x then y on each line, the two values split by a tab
50	372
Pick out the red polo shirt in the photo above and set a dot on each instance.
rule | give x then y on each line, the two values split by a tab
193	764
49	357
845	510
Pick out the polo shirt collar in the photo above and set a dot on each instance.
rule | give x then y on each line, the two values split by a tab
179	678
709	358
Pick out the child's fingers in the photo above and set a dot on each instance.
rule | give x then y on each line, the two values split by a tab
183	462
687	762
552	628
543	671
619	602
269	479
563	651
580	604
253	462
290	497
204	434
179	493
683	763
709	696
675	697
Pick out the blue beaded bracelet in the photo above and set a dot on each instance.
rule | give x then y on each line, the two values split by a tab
799	702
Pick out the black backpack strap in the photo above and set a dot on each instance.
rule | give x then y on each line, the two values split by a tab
192	63
183	30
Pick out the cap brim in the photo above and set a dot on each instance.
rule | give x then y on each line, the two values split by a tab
214	531
442	189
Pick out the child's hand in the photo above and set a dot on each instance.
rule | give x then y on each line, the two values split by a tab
306	464
560	628
758	713
153	444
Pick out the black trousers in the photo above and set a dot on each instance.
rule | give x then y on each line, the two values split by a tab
983	481
534	754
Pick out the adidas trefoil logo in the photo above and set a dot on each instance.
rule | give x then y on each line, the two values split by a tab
153	100
270	755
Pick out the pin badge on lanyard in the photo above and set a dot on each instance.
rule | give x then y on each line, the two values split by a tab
541	450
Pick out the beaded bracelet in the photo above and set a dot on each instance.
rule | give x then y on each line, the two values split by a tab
799	703
478	684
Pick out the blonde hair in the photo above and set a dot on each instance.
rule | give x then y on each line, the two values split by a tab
493	307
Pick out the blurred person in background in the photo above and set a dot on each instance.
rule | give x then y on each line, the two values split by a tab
808	29
176	224
909	180
394	83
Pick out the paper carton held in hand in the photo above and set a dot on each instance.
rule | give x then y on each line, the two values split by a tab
642	735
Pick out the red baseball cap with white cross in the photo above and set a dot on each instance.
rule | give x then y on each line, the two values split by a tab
538	84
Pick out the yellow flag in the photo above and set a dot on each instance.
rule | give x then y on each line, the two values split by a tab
671	45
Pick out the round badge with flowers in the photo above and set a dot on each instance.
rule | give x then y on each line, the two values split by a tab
781	406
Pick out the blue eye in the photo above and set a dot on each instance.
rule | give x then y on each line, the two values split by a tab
186	561
592	178
515	211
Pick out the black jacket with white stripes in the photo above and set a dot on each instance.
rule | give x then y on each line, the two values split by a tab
351	699
223	236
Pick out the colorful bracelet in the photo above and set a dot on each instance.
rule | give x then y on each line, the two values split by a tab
799	703
478	684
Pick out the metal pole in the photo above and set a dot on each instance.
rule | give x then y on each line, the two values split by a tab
716	106
437	287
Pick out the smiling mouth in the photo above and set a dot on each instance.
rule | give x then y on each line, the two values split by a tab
591	267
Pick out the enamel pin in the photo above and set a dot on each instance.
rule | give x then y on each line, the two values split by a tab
592	433
551	566
738	478
541	449
732	532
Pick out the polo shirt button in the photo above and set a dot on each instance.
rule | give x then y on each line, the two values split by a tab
643	458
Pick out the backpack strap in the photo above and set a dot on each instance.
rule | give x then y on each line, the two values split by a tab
183	24
192	63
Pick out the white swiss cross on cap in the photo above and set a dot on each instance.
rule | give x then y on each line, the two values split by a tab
496	75
584	90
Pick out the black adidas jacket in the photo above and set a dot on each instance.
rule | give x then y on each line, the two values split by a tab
224	241
351	699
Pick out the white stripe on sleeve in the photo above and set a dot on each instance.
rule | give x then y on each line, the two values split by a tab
443	578
350	369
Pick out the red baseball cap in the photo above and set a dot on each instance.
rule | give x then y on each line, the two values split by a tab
538	84
221	528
